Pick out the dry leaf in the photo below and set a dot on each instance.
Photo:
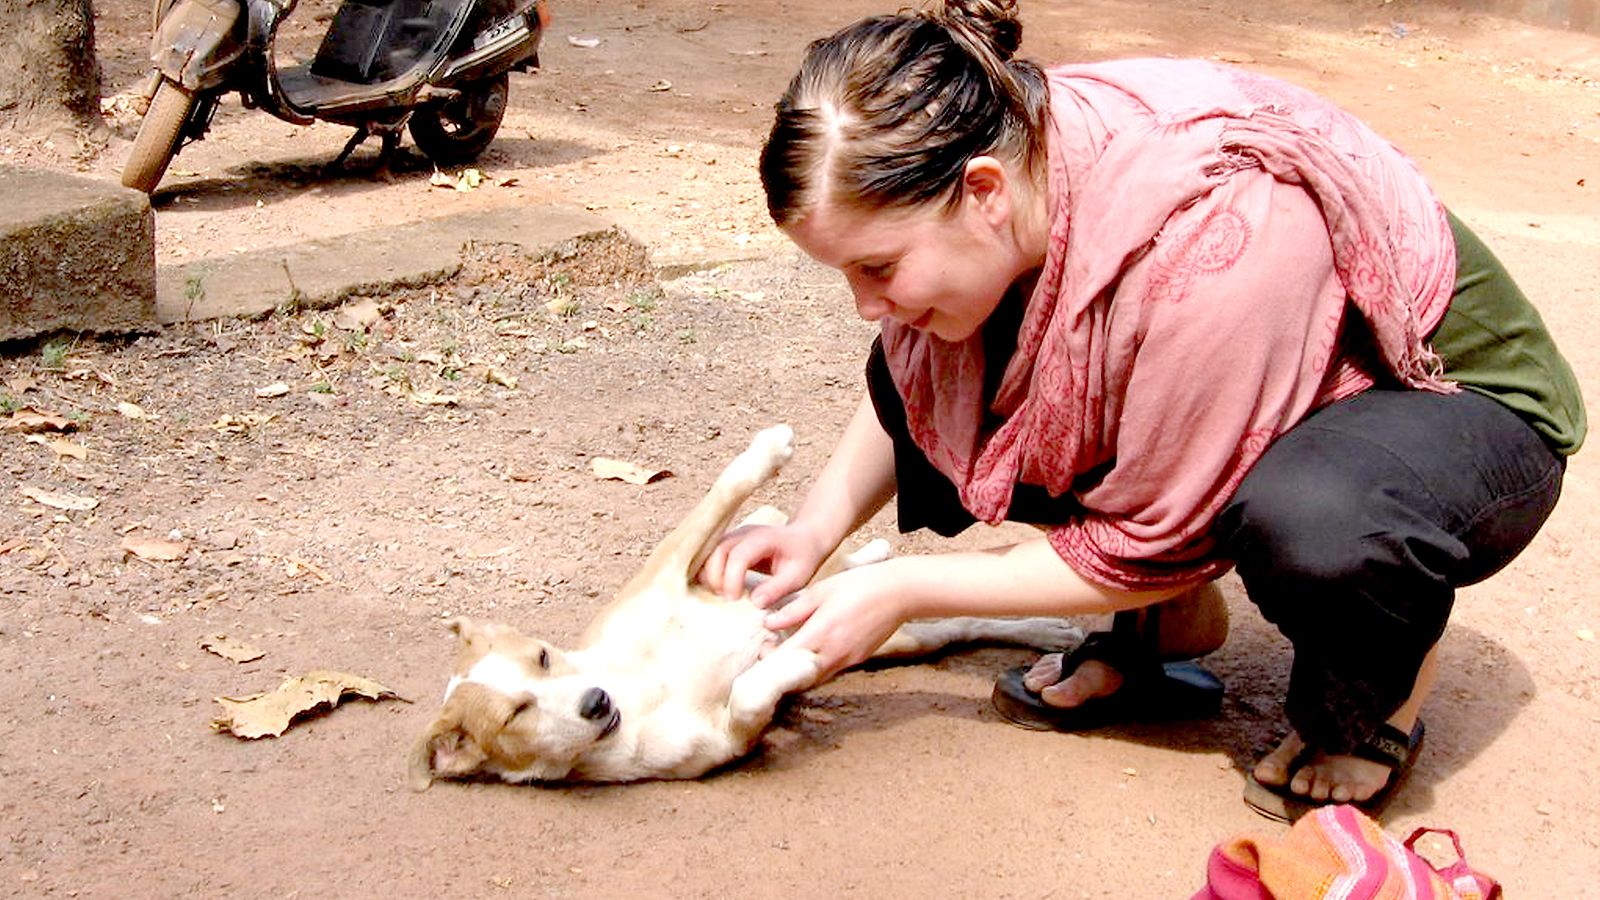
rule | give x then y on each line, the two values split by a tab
662	85
270	714
497	375
431	398
242	423
21	384
59	499
132	411
621	470
230	649
588	43
275	389
30	420
506	181
358	316
61	447
154	549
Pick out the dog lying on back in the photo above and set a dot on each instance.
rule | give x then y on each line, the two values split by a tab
669	681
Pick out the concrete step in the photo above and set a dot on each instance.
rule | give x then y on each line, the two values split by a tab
75	255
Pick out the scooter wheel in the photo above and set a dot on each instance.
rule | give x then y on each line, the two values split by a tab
157	141
459	131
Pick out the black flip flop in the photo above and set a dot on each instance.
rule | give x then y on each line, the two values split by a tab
1150	691
1389	746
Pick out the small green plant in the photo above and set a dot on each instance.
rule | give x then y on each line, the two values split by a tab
322	387
450	373
9	404
687	336
643	322
53	353
559	280
356	341
643	301
194	290
319	327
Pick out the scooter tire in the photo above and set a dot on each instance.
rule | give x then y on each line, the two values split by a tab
157	141
456	133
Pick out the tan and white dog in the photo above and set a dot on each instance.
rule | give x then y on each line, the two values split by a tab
669	682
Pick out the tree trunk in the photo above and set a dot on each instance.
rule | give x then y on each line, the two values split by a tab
49	76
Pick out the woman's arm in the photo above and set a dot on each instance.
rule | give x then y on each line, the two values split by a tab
847	616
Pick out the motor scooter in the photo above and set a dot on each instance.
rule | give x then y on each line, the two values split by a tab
437	67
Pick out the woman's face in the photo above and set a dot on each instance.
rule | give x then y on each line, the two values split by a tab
941	271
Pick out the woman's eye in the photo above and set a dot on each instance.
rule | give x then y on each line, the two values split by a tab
544	659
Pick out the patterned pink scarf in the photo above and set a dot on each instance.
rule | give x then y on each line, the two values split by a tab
1209	231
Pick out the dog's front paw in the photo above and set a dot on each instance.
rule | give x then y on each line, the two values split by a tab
768	451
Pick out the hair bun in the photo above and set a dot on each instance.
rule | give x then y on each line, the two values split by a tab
995	22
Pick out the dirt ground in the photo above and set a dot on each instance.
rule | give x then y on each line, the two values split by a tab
333	485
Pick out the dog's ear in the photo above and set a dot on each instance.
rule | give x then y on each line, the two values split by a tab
446	751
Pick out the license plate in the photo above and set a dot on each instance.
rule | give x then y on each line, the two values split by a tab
500	30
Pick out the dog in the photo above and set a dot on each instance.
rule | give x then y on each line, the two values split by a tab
670	681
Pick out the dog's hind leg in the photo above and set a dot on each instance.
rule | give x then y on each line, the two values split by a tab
930	635
682	552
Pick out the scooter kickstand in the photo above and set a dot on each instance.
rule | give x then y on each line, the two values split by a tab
356	140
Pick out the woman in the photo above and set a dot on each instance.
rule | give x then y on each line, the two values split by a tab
1183	318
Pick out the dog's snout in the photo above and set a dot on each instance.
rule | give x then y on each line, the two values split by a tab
596	704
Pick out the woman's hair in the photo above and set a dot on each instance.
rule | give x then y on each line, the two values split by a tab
887	112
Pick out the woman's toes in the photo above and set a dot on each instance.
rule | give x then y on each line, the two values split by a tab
1092	679
1273	768
1045	672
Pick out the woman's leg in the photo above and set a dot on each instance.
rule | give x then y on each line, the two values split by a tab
1352	533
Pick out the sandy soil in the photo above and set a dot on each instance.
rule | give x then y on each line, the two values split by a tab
333	522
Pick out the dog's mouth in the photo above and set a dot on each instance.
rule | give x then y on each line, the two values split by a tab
610	726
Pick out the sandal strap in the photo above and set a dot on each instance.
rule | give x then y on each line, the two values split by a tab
1389	745
1122	649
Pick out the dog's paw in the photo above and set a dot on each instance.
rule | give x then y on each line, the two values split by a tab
768	451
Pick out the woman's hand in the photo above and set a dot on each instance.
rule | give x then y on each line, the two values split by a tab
845	617
789	553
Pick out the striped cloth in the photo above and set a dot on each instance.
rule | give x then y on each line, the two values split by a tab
1338	853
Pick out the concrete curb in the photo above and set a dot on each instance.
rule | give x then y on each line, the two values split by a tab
324	272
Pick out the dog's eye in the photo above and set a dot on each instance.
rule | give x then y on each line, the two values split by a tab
544	658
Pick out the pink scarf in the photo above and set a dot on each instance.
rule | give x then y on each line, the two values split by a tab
1209	231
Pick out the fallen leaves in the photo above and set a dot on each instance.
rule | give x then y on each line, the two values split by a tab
621	470
59	499
58	446
241	423
33	421
152	549
269	714
230	649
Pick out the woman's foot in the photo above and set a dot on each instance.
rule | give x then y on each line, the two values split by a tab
1092	679
1324	777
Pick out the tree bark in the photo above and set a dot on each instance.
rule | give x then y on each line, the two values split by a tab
49	76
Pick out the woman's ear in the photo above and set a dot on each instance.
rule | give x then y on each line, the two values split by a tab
986	185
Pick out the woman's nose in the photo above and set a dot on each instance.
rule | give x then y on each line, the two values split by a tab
871	305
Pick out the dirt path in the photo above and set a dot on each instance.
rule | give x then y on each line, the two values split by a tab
436	461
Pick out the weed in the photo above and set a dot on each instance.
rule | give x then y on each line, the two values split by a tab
642	322
643	301
687	336
322	387
9	404
194	290
450	373
53	353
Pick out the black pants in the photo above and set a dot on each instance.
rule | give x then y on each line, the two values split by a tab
1351	533
1355	528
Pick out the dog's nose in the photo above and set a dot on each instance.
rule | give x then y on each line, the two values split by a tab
596	704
